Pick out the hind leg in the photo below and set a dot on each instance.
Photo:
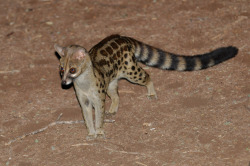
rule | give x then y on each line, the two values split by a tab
113	94
151	90
137	75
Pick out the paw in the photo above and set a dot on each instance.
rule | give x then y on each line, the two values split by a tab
100	134
152	96
110	113
90	137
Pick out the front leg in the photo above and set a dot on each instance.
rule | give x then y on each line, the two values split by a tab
87	113
99	117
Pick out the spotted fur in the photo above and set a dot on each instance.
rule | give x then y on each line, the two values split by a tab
95	73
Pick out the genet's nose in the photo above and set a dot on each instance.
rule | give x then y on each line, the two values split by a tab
64	82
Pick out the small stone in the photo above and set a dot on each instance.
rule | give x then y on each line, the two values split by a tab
36	141
29	10
227	123
53	148
147	124
49	23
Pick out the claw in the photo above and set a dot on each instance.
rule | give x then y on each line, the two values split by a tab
152	96
90	137
100	136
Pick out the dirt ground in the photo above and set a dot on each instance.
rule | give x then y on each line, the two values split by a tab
200	118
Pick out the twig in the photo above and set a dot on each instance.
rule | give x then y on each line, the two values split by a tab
136	153
59	117
10	71
81	144
52	124
137	162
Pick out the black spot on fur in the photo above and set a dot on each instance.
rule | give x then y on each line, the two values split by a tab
114	57
125	48
108	63
109	50
111	60
111	72
118	54
114	45
133	58
104	53
102	62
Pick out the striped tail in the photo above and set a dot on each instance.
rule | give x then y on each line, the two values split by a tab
158	58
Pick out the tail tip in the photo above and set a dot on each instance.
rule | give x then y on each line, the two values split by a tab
233	51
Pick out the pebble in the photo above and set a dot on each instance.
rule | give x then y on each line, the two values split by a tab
49	23
32	65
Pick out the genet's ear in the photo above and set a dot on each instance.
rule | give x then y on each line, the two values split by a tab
59	50
80	54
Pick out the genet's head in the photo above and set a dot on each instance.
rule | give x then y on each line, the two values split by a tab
71	60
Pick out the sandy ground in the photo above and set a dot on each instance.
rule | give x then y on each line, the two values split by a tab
200	118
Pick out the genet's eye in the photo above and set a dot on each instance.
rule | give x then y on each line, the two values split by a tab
61	70
72	70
